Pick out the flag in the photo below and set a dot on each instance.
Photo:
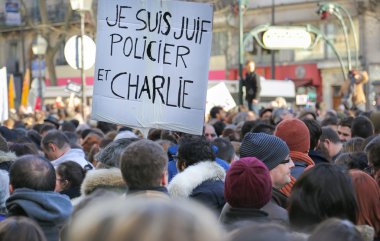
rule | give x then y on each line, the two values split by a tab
25	89
11	93
3	95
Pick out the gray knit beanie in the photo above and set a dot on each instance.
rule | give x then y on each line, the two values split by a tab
3	145
267	148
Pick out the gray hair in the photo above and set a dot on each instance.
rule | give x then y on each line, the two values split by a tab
110	155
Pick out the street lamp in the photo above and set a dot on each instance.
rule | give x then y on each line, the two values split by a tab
82	6
39	47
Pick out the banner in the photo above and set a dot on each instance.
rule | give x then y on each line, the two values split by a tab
219	95
152	62
12	12
25	89
11	93
3	95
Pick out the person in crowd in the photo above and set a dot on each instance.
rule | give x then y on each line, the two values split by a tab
334	229
248	193
307	115
225	151
200	177
368	199
6	157
353	160
252	87
45	129
355	144
330	145
263	128
20	228
375	119
93	138
32	184
373	154
69	178
217	113
362	127
73	139
275	154
247	127
322	192
209	132
21	149
315	132
4	193
141	219
57	149
266	115
330	121
143	166
344	129
219	127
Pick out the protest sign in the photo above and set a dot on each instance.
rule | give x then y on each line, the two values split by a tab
152	61
219	95
3	95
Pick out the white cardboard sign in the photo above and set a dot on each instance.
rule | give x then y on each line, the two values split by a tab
152	61
219	95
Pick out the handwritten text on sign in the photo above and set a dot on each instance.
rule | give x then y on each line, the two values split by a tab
152	63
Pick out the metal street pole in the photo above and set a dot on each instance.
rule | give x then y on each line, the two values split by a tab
240	53
40	81
273	57
82	64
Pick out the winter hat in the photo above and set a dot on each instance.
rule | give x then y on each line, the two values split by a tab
295	133
3	145
269	149
248	184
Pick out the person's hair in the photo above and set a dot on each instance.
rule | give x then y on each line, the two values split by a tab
73	139
231	134
194	149
354	144
353	160
315	132
260	232
110	156
347	121
247	127
55	137
334	229
314	198
263	128
34	172
332	120
215	110
219	127
141	218
362	127
35	138
72	172
106	127
329	134
368	196
20	228
373	152
21	149
4	188
143	163
47	128
154	134
68	126
226	150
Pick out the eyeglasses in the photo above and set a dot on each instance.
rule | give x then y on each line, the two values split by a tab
286	161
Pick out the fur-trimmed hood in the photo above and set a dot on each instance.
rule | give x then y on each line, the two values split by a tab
7	156
183	184
110	179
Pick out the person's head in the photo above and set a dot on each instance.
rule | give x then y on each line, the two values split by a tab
248	184
143	164
362	127
334	229
344	129
4	187
68	175
321	192
266	114
20	228
330	144
368	196
141	218
315	132
261	232
280	114
54	144
353	160
295	134
32	172
68	126
110	156
331	121
251	66
73	139
263	128
247	127
373	153
194	149
226	150
219	127
355	144
209	132
217	112
307	115
273	152
46	128
21	149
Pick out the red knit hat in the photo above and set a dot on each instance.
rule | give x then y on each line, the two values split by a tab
248	184
295	133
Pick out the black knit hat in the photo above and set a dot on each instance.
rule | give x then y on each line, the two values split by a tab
267	148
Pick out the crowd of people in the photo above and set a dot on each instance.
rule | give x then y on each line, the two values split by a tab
273	175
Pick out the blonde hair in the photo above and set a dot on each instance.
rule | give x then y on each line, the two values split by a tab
145	219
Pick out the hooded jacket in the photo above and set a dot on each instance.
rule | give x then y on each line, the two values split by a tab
203	181
49	209
76	155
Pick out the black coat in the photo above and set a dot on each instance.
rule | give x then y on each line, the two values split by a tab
252	86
